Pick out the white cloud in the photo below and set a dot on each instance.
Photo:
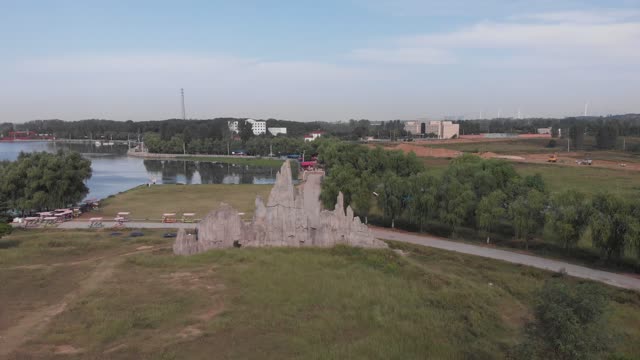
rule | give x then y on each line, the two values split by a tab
407	56
587	17
590	41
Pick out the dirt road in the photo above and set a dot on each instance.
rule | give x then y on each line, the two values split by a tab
609	278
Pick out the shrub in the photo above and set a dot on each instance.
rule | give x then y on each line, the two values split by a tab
570	323
5	229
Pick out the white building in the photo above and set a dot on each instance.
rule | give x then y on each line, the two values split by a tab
412	126
233	126
546	131
313	135
259	127
443	129
275	131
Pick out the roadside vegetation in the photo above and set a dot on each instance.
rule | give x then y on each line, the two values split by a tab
407	302
487	200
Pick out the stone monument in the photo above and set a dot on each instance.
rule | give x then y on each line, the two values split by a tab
292	216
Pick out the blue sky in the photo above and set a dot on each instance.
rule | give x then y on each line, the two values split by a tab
311	60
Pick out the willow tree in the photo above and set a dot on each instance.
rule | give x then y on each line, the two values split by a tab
45	181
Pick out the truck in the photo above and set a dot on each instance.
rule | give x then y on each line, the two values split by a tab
586	161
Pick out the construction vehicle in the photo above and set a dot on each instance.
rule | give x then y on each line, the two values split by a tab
586	161
553	158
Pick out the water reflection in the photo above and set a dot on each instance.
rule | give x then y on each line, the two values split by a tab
204	172
114	171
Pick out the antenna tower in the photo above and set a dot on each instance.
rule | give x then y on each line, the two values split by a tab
184	114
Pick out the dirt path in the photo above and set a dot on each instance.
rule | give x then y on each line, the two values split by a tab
37	320
618	280
564	159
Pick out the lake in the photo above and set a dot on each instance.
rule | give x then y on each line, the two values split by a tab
114	171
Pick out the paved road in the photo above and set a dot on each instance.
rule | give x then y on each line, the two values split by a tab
619	280
614	279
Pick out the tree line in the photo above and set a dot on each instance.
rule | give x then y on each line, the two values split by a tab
475	197
41	181
263	145
604	129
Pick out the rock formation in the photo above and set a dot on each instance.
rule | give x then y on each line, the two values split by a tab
291	217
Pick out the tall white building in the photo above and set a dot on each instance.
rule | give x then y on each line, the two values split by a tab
259	127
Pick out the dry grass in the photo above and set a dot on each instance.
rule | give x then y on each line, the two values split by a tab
287	303
149	203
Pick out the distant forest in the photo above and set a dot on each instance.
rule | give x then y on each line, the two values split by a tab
605	130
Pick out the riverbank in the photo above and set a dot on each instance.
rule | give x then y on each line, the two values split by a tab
230	159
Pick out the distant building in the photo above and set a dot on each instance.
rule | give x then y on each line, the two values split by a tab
546	131
233	126
443	129
275	131
412	126
313	135
259	127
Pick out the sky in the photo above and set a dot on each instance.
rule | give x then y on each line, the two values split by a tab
318	60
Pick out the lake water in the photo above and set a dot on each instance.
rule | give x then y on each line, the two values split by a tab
114	171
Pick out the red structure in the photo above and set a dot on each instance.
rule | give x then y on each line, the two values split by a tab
26	135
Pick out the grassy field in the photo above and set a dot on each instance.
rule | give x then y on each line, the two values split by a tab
234	160
514	146
151	202
589	180
537	146
268	303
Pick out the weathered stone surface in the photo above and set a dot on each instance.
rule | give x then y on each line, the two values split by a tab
292	217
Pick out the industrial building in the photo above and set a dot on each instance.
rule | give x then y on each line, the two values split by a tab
441	129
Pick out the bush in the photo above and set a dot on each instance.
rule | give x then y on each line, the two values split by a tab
552	143
570	323
5	229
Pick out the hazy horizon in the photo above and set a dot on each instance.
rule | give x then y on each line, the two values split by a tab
304	61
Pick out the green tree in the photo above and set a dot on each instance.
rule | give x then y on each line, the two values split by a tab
245	130
566	218
392	196
607	136
490	211
153	142
526	213
42	181
570	323
457	202
363	195
612	226
423	197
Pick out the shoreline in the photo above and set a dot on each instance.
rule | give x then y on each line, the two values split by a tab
148	155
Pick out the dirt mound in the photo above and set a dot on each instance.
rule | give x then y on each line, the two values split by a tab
423	151
488	155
